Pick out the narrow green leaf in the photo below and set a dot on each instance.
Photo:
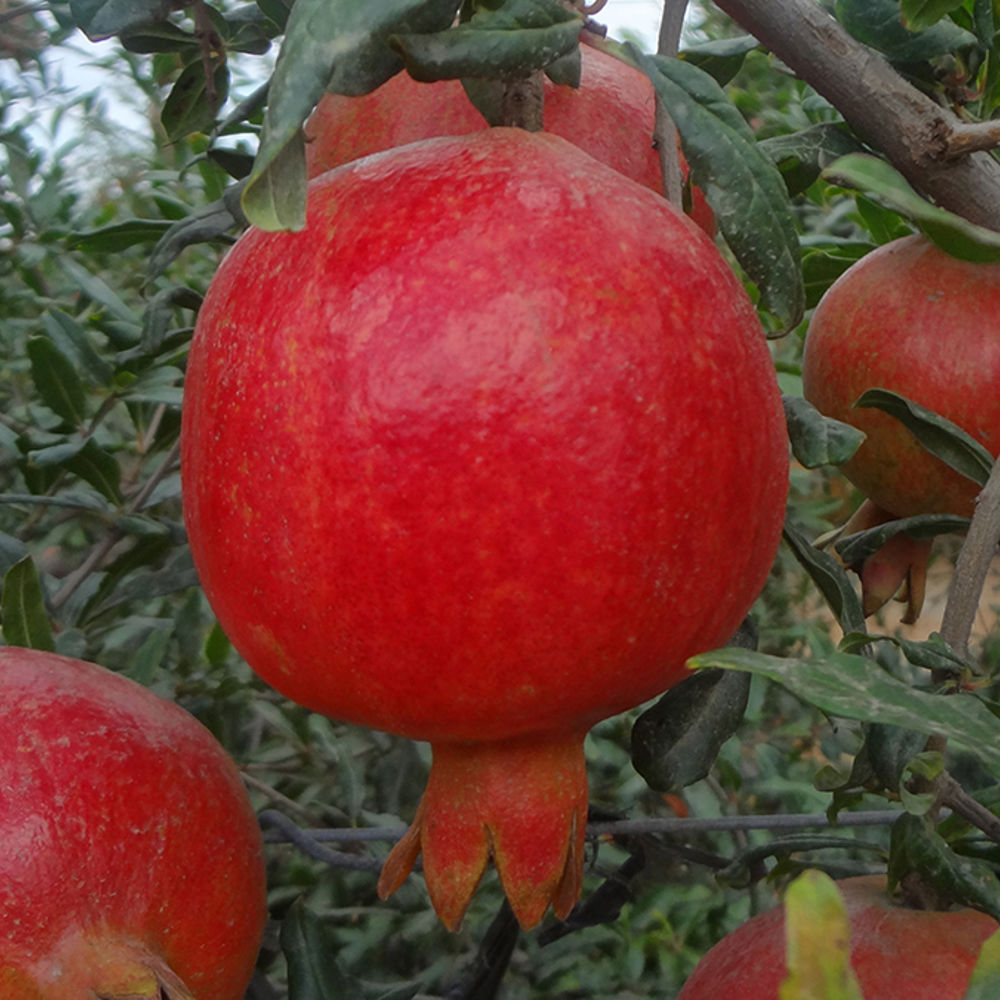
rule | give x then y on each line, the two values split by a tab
120	236
823	263
512	40
857	547
985	982
721	58
98	468
932	653
918	15
952	233
149	656
817	942
56	380
856	687
940	436
72	340
818	440
743	186
830	577
103	18
917	846
189	106
96	289
162	37
878	23
802	156
337	45
23	615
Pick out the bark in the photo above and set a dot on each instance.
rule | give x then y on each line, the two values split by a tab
917	135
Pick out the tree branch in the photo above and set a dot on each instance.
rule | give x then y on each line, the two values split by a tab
664	132
913	131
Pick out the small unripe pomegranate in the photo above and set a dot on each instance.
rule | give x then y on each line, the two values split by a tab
131	863
480	457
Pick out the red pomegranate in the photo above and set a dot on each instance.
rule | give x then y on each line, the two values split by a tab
480	457
910	318
131	864
896	953
611	116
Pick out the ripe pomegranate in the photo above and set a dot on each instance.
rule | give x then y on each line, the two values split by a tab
611	116
896	953
480	457
130	859
910	318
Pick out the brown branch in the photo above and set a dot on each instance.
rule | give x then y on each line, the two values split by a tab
911	129
969	138
664	132
972	567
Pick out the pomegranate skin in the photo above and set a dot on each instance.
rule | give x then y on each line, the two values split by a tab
910	318
896	953
482	456
129	853
611	116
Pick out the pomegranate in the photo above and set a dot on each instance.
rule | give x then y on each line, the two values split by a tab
480	457
611	116
130	859
910	318
896	953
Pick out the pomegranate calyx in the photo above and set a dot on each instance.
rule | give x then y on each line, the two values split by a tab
522	802
897	570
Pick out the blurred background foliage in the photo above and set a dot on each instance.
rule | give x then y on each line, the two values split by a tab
116	202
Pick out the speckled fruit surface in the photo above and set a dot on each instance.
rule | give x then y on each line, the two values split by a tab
910	318
896	953
611	116
480	457
131	863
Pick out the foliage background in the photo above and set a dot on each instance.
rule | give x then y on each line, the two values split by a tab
108	238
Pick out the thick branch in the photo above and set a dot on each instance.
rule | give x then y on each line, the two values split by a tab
912	130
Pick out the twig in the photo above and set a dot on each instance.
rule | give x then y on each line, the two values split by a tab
911	128
972	567
952	795
968	138
664	132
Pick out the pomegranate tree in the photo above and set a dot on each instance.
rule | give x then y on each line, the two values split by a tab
480	457
611	116
131	864
910	318
897	953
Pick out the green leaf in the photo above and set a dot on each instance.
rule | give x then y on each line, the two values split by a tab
313	974
189	106
103	18
830	577
742	186
932	653
675	743
162	37
56	381
823	263
878	23
890	749
24	618
99	468
985	982
940	436
857	547
160	313
817	942
919	15
916	846
71	338
97	289
955	235
802	156
818	440
721	58
856	687
337	45
513	40
120	236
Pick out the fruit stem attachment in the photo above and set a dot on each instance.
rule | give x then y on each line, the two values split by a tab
522	102
524	802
